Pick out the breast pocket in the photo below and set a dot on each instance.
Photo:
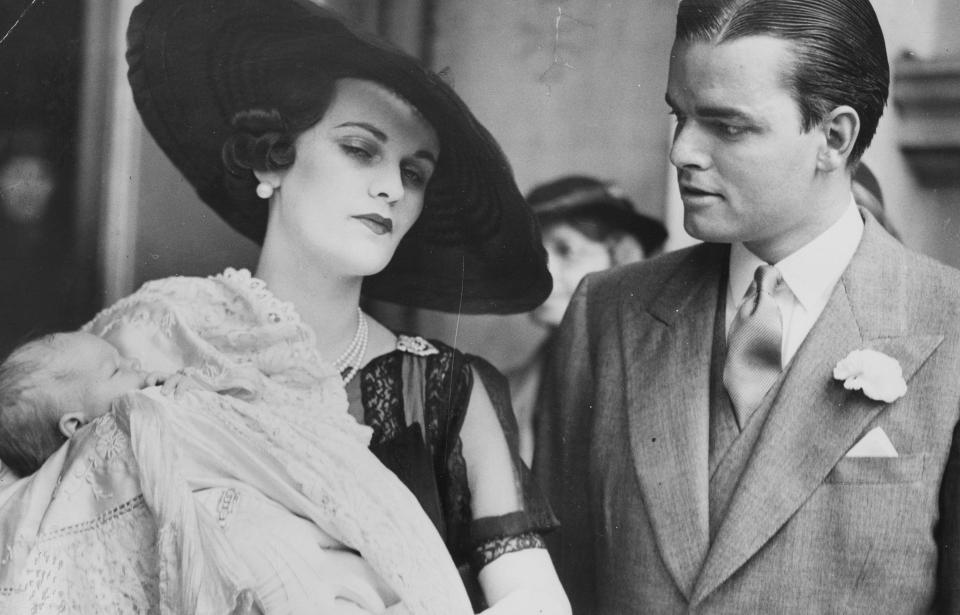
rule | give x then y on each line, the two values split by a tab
878	470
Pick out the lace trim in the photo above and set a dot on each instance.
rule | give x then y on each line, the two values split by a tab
110	515
448	382
233	325
382	398
277	311
491	550
113	568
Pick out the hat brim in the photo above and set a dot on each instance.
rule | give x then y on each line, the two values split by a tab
650	232
475	247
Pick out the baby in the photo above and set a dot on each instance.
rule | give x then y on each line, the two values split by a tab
53	386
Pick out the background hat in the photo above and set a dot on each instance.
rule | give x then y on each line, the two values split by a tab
865	177
582	196
195	63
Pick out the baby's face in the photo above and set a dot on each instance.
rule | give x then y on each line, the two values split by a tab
93	373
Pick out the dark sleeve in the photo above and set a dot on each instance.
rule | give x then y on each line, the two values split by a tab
562	452
535	514
482	437
507	512
948	534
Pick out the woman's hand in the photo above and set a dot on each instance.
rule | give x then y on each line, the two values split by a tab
523	583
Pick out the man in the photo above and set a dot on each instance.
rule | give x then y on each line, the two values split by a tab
718	448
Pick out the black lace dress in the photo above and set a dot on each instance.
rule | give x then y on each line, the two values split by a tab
463	466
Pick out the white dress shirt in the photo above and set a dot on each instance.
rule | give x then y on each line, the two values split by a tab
809	274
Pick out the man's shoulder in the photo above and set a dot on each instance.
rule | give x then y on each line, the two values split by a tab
920	272
925	270
895	285
646	279
930	284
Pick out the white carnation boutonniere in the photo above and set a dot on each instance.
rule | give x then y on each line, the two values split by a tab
879	376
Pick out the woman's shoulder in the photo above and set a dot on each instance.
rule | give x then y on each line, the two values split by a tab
228	317
446	367
420	346
433	360
232	292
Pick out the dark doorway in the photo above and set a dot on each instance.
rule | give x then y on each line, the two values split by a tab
42	282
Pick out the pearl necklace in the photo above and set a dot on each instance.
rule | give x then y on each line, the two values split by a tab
349	363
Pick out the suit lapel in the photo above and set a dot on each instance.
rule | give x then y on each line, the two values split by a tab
667	371
813	420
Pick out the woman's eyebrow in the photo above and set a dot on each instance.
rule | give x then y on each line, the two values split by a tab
376	132
382	137
426	155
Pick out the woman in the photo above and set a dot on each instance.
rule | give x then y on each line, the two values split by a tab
587	225
360	172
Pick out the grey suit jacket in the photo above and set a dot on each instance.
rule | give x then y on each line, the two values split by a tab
623	450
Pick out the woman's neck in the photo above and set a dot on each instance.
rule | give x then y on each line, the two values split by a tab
326	303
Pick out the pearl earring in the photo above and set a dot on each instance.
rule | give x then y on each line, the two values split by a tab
264	190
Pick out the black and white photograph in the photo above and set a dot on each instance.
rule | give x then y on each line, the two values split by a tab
499	307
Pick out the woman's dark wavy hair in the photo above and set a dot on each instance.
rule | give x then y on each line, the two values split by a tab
264	138
841	56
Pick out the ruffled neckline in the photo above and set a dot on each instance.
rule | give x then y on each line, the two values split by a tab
277	310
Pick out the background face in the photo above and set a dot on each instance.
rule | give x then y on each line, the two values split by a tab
571	255
358	182
747	171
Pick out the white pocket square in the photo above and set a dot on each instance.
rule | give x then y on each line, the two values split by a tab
874	444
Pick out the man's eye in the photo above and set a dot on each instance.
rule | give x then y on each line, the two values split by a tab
680	119
731	130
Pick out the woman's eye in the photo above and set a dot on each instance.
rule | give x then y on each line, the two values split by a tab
414	177
355	151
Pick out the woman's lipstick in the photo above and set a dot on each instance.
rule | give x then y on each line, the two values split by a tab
376	223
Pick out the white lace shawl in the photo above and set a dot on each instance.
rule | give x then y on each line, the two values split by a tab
296	442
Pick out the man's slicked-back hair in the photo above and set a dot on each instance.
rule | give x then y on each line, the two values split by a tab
840	53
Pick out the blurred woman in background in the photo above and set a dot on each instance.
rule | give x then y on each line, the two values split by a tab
587	225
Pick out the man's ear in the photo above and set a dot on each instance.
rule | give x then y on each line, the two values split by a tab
71	422
840	128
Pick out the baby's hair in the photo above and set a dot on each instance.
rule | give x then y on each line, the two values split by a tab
28	434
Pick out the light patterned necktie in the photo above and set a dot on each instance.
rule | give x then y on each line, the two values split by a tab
753	348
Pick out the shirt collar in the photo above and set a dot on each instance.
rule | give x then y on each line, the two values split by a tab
810	272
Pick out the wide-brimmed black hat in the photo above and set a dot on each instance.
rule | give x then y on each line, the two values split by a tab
194	64
574	196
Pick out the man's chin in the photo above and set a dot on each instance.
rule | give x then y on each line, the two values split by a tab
708	230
